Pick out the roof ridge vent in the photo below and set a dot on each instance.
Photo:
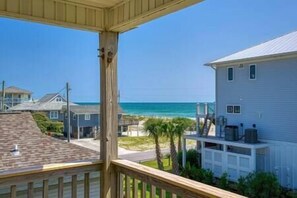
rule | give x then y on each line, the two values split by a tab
15	151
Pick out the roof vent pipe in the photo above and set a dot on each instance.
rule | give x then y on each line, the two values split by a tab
15	151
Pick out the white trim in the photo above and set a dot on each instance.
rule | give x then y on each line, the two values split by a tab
228	74
233	105
255	72
54	115
87	117
288	55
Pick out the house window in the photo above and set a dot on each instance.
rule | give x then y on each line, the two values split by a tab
58	99
252	72
87	117
233	109
230	73
54	114
236	109
74	117
230	109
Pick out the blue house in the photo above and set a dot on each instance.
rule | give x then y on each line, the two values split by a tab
256	125
84	120
51	104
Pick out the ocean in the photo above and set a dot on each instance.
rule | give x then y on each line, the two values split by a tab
157	109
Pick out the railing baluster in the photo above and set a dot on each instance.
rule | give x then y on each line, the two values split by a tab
87	185
13	191
45	189
162	193
153	191
120	185
135	188
127	187
173	195
60	187
30	190
74	186
143	190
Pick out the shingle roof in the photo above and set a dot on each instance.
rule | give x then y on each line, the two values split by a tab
16	90
286	44
44	104
48	97
36	149
87	109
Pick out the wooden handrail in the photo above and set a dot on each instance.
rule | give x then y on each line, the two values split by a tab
47	171
170	182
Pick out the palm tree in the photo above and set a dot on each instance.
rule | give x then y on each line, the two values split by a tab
182	124
153	127
169	129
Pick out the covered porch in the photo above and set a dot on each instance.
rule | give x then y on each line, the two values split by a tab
118	178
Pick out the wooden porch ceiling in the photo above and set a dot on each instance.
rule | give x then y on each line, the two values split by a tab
92	15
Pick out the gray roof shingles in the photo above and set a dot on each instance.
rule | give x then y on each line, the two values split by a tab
36	149
48	97
16	90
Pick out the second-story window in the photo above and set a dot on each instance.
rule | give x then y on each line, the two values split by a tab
87	117
58	99
252	72
230	73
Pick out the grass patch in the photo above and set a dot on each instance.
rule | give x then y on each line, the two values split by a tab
153	164
144	143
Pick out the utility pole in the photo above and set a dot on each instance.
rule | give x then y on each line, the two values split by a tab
3	95
68	112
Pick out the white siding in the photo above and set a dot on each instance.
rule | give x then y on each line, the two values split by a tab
281	159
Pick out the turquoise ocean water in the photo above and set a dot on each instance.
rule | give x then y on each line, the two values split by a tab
157	109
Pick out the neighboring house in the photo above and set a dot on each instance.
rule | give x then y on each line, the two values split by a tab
36	151
84	118
51	104
256	91
14	96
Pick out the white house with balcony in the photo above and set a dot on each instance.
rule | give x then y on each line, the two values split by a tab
14	96
256	124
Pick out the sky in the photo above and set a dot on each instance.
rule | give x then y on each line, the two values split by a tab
160	61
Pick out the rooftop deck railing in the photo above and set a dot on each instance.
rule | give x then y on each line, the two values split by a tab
204	108
128	122
82	180
14	101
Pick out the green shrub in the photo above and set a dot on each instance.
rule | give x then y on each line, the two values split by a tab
45	124
223	181
290	194
259	185
207	176
55	127
192	157
41	120
198	174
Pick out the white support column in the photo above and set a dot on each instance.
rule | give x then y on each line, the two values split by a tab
108	112
253	159
184	152
78	127
202	154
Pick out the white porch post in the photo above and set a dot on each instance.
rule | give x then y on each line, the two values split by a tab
108	111
184	152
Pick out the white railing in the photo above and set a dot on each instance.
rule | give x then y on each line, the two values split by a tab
204	108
